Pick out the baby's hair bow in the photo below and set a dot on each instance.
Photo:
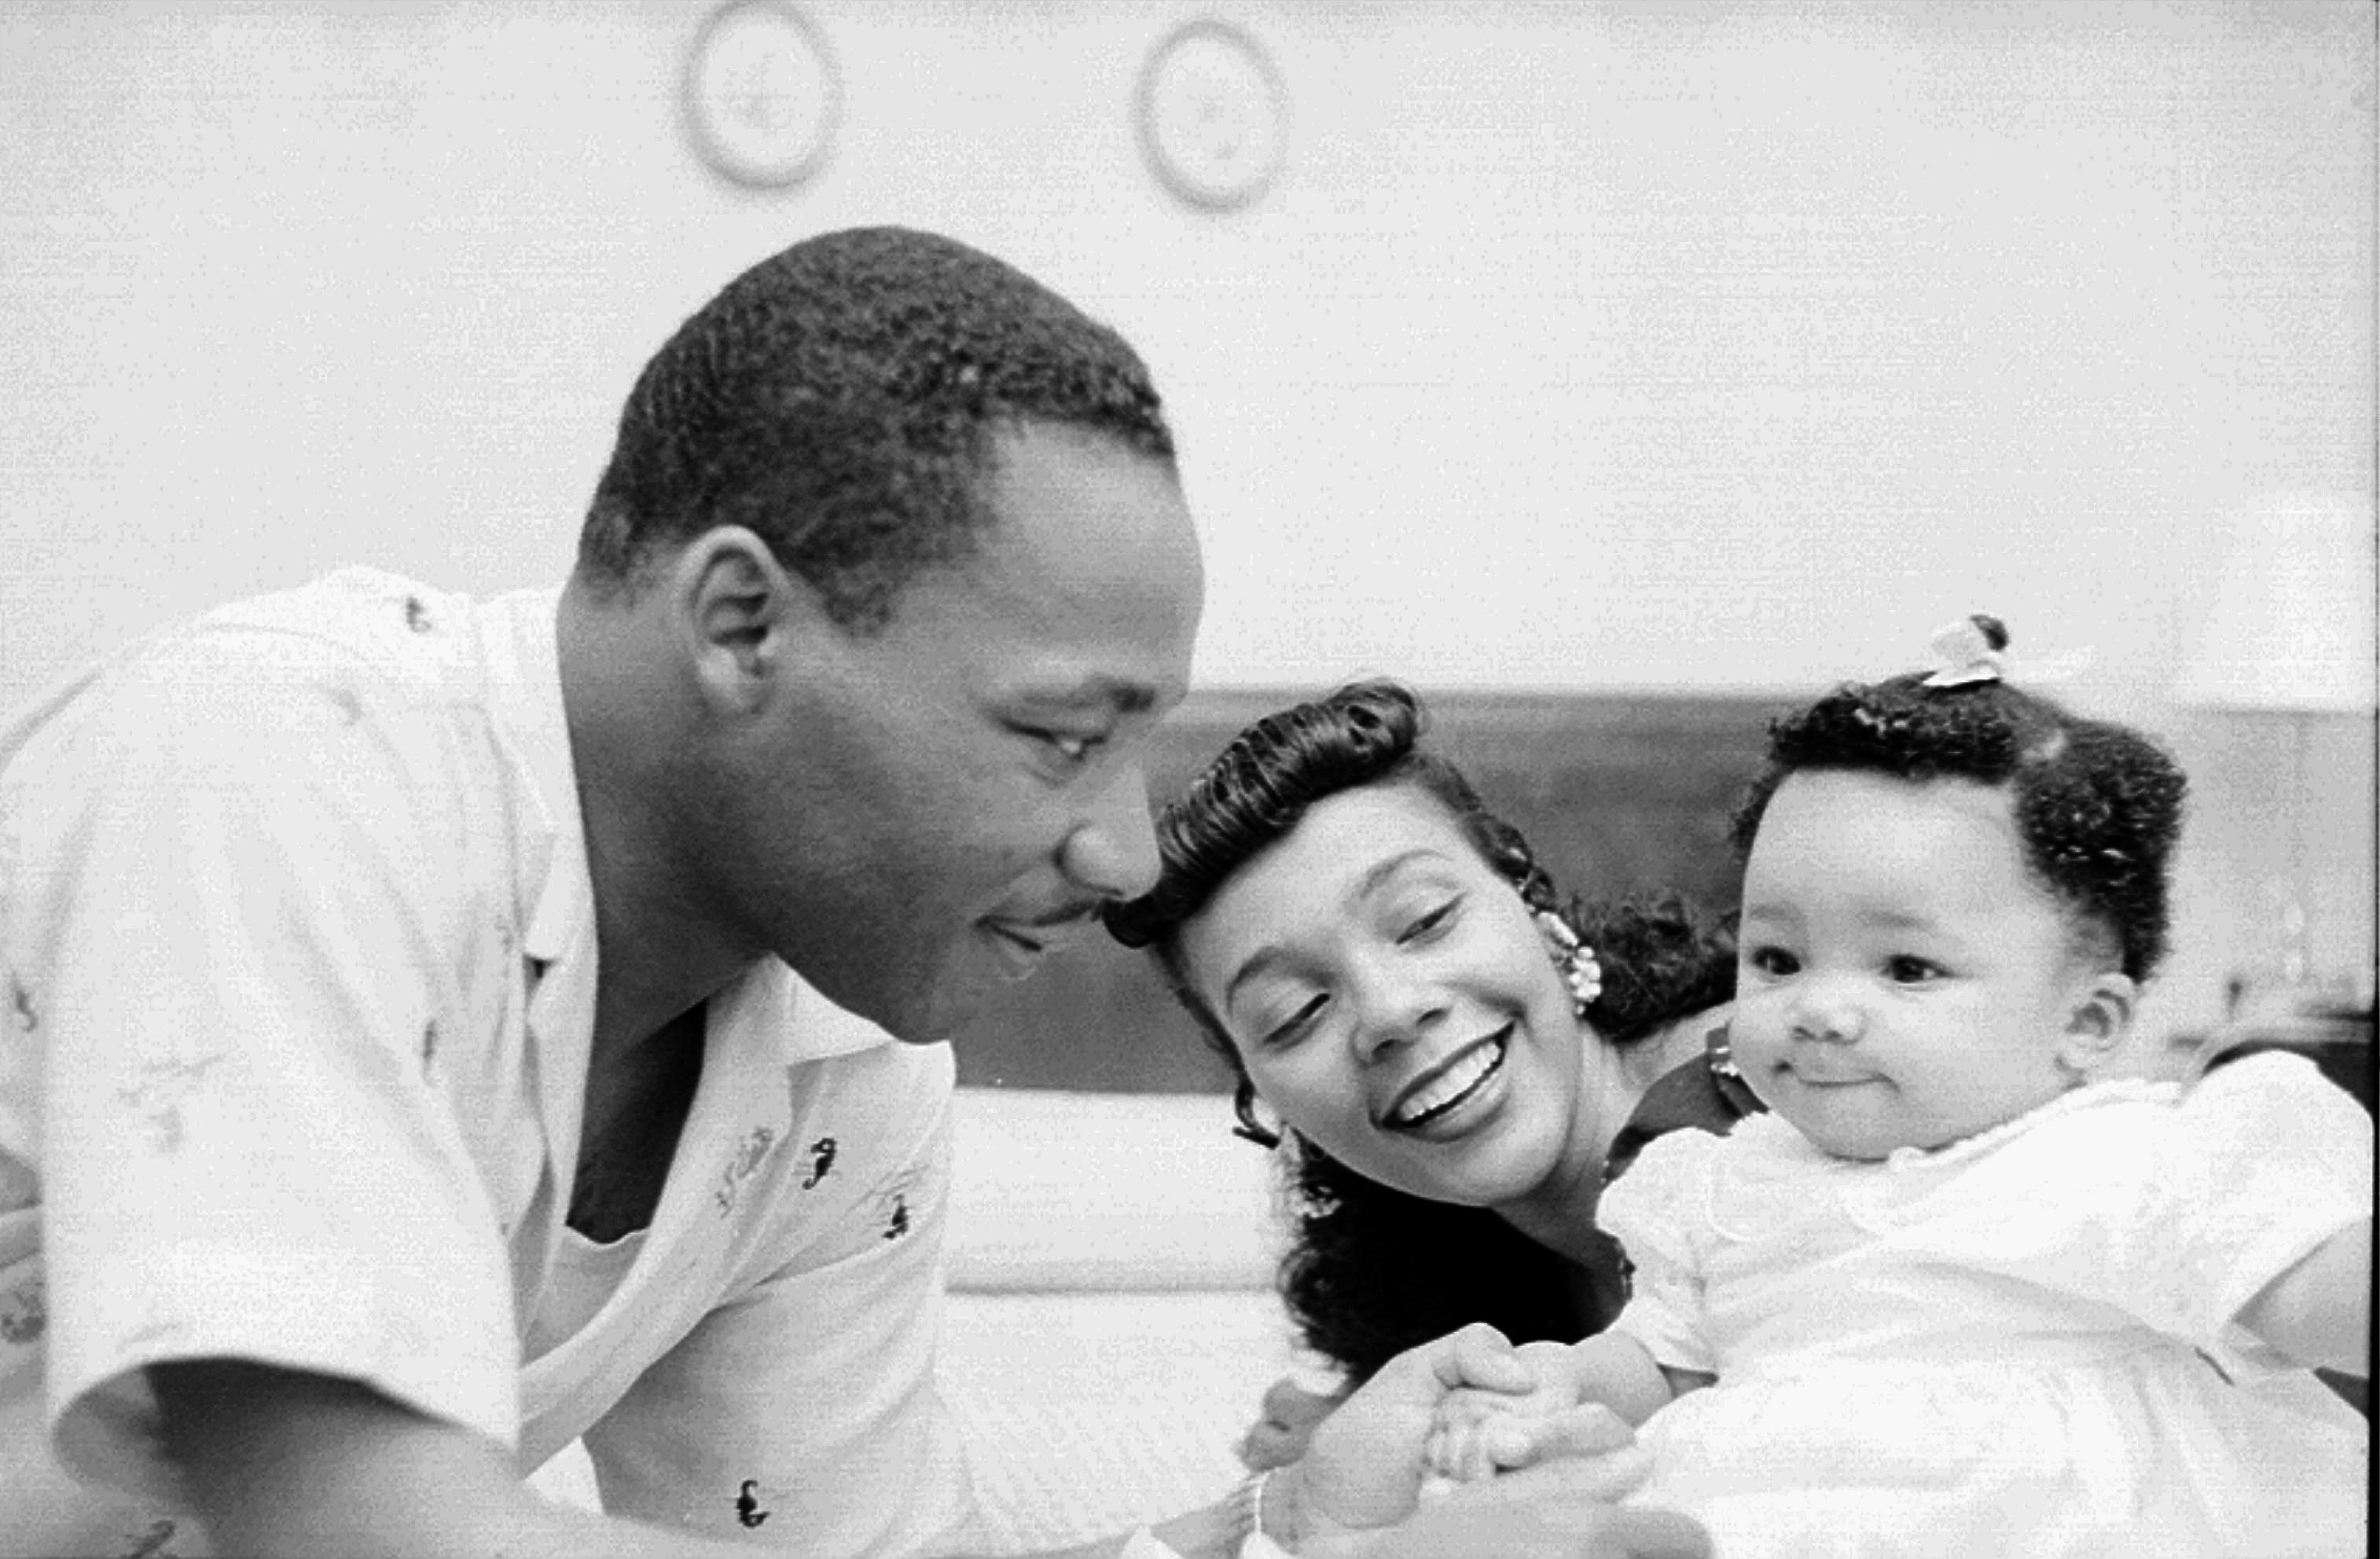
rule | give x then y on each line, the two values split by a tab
1975	649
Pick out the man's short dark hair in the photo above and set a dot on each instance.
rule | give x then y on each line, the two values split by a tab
841	400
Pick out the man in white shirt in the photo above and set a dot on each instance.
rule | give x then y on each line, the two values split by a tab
438	1031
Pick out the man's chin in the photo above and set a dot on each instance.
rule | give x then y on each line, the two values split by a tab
945	1009
930	1004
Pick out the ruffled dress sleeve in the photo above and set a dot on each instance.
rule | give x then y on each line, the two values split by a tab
1659	1213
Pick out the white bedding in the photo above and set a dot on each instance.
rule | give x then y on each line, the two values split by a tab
1112	1324
1093	1413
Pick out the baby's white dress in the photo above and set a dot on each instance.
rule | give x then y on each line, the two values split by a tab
2020	1343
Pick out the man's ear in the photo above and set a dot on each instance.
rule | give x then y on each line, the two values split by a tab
734	608
2098	1022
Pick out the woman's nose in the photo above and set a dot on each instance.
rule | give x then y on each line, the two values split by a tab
1112	851
1393	1006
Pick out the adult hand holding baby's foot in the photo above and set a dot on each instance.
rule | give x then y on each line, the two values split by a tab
1480	1441
1362	1468
1478	1434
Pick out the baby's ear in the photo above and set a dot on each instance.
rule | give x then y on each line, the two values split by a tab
2099	1020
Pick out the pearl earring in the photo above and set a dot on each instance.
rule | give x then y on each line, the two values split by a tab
1576	961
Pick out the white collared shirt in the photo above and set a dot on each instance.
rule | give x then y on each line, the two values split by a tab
298	954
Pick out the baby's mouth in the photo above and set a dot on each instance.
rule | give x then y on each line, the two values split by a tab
1444	1088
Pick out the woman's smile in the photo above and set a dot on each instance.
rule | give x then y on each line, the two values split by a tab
1432	1098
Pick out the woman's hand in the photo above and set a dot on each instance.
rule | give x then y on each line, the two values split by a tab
1363	1467
1290	1413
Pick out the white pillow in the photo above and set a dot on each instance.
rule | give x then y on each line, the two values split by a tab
1056	1191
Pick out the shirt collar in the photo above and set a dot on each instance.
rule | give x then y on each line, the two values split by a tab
524	669
772	999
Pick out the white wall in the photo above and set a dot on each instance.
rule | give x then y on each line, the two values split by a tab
1599	346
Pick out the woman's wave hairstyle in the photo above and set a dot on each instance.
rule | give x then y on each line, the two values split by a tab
1372	1271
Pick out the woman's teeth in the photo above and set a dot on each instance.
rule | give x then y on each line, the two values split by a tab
1445	1092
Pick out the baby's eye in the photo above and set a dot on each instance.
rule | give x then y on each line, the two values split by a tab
1773	961
1908	970
1422	926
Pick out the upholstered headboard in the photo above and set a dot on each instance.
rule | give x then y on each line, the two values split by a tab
1619	794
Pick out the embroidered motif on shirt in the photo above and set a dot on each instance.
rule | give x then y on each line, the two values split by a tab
417	616
158	1097
890	1204
343	699
20	1002
747	1506
821	1160
428	1050
24	1314
740	1165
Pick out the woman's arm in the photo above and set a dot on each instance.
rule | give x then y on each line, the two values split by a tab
2319	1312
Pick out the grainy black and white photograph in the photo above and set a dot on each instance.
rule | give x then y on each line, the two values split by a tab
1340	779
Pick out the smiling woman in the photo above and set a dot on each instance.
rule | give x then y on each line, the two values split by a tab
1456	1052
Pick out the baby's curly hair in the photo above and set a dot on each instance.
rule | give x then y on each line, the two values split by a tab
2098	805
839	400
1372	1271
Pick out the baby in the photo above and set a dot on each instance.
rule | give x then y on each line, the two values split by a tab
1973	1287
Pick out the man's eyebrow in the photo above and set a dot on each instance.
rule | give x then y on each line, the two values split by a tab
1365	886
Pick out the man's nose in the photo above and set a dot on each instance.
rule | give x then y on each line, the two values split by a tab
1112	851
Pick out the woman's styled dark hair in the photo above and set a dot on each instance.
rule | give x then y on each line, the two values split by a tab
839	399
2097	804
1374	1271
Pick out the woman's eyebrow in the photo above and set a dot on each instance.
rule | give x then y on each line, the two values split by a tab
1365	886
1258	962
1369	883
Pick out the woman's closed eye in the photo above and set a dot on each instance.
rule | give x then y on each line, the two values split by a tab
1297	1022
1430	922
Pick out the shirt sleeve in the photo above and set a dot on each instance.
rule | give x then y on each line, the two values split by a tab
223	927
2263	1160
804	1411
1651	1210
